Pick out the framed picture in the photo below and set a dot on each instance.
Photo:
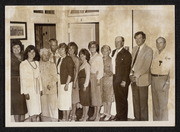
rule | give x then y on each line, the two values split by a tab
18	30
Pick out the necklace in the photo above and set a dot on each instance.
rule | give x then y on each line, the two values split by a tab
32	65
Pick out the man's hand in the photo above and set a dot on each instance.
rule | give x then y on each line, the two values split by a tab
166	86
66	87
132	78
123	84
98	82
27	96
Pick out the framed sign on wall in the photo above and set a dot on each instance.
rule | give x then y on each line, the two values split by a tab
18	30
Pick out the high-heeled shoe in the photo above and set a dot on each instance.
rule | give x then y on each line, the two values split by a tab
92	118
103	115
73	118
85	118
82	118
107	117
97	118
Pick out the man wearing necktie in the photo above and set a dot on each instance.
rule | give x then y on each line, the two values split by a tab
121	61
140	76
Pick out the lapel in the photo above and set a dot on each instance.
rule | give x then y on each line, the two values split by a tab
120	53
113	52
143	50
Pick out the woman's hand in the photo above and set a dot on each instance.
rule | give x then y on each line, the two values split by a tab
98	82
84	89
74	85
27	96
41	93
66	87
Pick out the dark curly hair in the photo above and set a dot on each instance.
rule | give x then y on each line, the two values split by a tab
138	33
16	42
28	49
74	45
86	53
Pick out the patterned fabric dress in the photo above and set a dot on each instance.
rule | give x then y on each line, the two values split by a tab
107	81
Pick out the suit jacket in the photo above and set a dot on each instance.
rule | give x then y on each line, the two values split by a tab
123	65
142	65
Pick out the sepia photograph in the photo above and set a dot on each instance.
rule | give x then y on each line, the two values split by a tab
18	30
90	66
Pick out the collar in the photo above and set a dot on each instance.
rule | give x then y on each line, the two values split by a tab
94	54
119	49
140	47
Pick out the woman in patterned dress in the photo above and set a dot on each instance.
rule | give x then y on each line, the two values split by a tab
107	83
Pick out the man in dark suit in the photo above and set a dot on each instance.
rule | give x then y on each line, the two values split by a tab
121	61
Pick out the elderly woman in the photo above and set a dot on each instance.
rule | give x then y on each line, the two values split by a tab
65	67
96	63
18	102
31	81
73	51
49	88
107	83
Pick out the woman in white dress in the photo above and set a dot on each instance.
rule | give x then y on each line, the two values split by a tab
30	81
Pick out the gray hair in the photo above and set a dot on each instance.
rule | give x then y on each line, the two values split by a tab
44	51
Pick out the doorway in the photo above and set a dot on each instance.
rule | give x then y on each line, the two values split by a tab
43	33
83	33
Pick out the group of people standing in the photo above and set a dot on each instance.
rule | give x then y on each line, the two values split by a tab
61	78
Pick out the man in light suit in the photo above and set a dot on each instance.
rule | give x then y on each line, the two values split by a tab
121	61
140	76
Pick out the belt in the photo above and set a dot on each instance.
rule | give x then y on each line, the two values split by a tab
157	75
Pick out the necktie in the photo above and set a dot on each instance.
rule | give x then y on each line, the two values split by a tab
54	59
58	61
137	52
58	72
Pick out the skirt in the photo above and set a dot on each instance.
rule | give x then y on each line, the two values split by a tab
96	91
75	94
34	104
18	101
65	97
107	89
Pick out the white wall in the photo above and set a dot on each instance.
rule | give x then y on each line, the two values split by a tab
113	21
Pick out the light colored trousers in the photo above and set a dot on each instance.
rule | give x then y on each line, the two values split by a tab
159	98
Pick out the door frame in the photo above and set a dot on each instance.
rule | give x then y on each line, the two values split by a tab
81	23
42	24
